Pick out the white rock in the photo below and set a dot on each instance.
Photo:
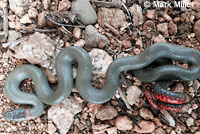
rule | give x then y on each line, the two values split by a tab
19	7
101	60
32	13
190	121
51	128
25	19
80	43
2	76
63	114
13	35
112	130
133	94
46	3
41	19
37	49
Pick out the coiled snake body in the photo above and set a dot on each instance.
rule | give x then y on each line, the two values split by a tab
44	94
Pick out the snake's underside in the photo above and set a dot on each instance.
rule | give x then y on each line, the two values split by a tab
45	95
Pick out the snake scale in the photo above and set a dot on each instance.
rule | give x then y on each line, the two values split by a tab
45	95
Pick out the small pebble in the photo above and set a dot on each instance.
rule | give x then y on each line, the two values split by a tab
80	43
2	76
159	39
163	28
146	127
133	94
123	123
25	19
197	29
190	121
51	128
112	130
136	11
32	12
146	114
160	131
76	33
64	5
110	111
150	14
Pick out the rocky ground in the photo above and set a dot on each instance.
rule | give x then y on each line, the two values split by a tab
34	31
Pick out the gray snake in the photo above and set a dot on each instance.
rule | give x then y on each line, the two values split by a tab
137	63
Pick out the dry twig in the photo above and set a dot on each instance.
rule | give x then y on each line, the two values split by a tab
5	23
123	96
115	31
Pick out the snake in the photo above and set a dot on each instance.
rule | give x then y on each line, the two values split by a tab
172	101
44	94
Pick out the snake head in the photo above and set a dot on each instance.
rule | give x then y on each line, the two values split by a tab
15	115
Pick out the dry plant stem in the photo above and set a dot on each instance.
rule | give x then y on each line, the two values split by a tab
69	15
107	4
38	30
5	23
64	30
56	23
12	44
112	29
123	96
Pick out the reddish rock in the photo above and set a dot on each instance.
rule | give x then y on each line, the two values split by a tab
148	25
160	131
159	38
123	123
146	127
172	28
113	16
146	114
106	113
163	28
136	12
197	29
196	5
150	14
127	43
64	5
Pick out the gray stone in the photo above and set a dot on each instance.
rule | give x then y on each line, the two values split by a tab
84	9
93	38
